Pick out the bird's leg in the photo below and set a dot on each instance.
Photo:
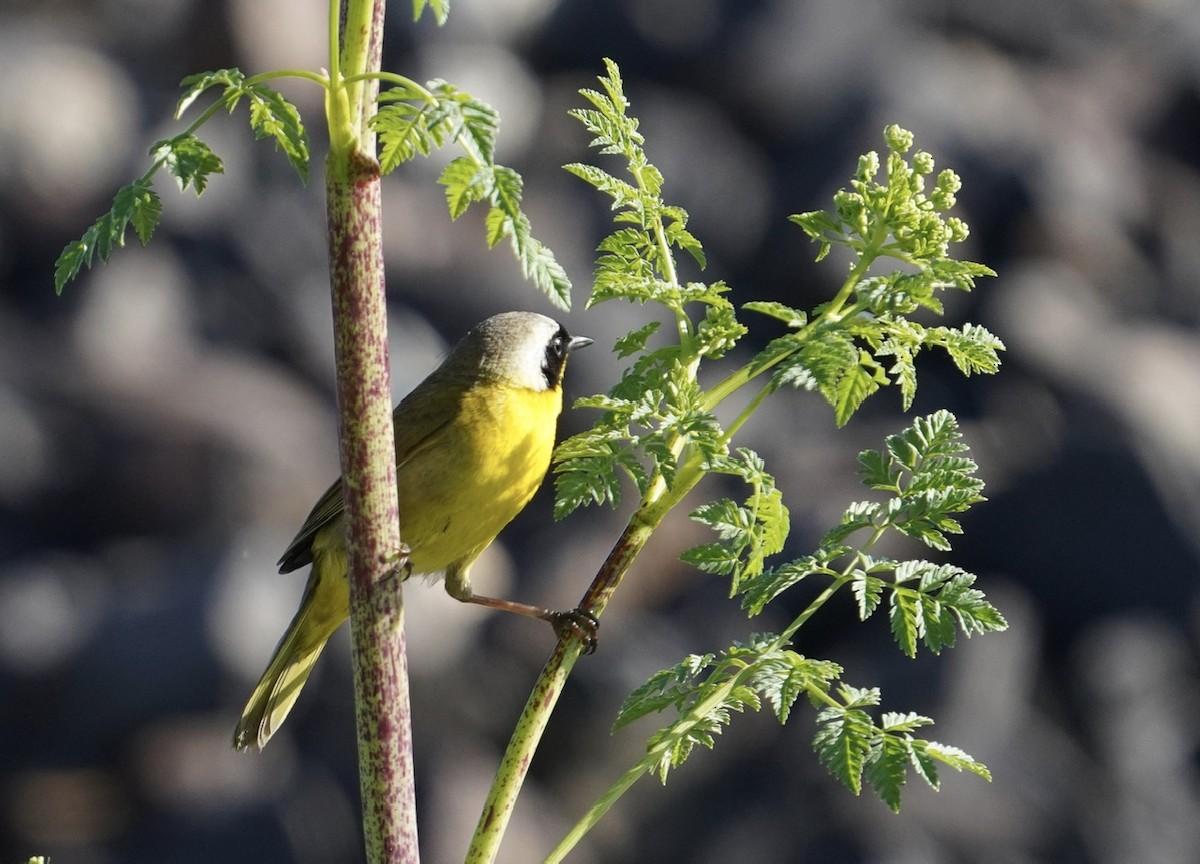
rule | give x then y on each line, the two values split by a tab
578	622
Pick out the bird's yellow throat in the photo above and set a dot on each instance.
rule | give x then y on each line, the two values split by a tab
497	453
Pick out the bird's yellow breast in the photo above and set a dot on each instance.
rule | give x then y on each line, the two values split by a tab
476	474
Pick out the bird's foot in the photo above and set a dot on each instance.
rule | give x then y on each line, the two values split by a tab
577	623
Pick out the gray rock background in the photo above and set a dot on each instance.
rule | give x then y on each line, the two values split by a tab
165	425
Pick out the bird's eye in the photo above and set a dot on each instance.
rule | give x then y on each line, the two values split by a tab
556	356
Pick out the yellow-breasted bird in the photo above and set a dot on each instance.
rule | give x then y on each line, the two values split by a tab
473	442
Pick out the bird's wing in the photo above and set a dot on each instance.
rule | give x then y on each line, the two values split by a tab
328	507
414	435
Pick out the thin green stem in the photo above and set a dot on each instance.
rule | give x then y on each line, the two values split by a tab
335	42
653	755
356	49
656	503
818	694
867	255
510	775
304	74
596	812
746	413
785	637
191	128
396	79
343	138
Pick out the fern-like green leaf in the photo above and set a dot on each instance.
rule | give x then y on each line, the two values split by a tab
843	741
887	769
188	159
467	182
272	116
230	80
793	318
440	9
136	204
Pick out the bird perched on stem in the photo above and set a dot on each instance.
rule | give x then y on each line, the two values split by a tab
473	442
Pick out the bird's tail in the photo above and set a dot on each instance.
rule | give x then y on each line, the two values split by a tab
289	668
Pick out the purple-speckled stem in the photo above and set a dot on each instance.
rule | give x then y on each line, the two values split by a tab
368	457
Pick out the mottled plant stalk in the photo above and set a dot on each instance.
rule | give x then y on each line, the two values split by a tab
367	438
502	797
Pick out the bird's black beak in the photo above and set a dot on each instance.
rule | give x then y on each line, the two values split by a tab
578	342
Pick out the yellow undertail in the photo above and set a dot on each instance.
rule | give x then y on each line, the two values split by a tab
321	612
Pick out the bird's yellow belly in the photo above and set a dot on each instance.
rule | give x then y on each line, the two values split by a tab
458	494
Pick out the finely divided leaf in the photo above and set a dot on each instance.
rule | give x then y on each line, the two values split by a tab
136	204
954	758
878	471
856	384
664	688
843	741
773	582
635	341
793	318
403	132
822	361
748	533
868	592
707	689
188	159
972	348
931	603
585	467
466	182
229	79
413	121
622	193
272	116
480	123
440	9
887	769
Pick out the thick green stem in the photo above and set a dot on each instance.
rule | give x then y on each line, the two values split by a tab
656	503
506	786
510	776
367	451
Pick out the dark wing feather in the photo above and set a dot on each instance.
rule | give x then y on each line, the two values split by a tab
328	507
421	409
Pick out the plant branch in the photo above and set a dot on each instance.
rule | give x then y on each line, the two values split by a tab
502	797
658	500
367	451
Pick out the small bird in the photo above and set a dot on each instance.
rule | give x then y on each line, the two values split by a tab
473	442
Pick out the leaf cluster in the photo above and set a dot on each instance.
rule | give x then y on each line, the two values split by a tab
705	690
931	481
413	121
657	407
853	745
747	533
190	161
657	426
866	338
930	478
657	418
